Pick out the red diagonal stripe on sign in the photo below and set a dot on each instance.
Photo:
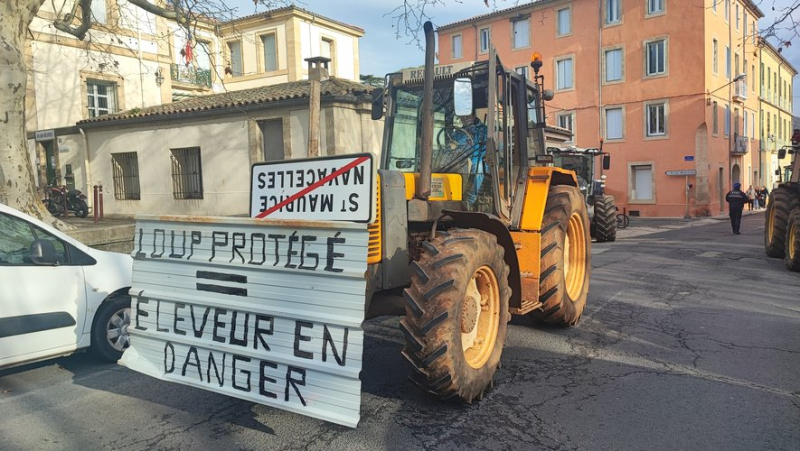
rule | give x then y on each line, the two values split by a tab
314	186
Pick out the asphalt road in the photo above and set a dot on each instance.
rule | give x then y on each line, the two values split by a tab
690	340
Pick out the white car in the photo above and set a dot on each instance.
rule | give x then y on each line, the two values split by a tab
58	295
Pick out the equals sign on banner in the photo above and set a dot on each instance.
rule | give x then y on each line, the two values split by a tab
222	277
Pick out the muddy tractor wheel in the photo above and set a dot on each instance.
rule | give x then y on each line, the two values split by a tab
457	314
565	258
792	258
781	203
604	221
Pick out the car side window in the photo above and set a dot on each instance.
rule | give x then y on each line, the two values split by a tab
16	237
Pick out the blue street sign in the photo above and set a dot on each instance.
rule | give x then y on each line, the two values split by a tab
688	158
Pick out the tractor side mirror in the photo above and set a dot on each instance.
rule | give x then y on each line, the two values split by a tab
777	172
781	153
606	162
462	96
377	104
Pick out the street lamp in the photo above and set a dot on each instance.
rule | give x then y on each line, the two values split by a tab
159	77
735	79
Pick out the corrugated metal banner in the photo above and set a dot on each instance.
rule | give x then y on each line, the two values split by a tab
266	311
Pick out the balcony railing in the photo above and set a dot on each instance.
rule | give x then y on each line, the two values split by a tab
739	144
195	76
740	91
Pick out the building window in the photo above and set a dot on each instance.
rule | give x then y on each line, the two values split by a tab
613	65
522	70
615	127
567	120
187	173
564	72
99	11
752	125
613	11
727	9
727	62
328	50
715	118
642	182
521	31
456	50
272	139
714	56
727	120
656	119
235	56
753	77
564	22
126	175
657	57
736	64
655	6
714	5
755	32
744	125
744	28
102	97
737	16
485	40
269	53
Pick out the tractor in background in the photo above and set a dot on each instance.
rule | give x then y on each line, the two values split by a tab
602	207
782	218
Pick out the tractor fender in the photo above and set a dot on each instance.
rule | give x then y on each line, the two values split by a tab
492	224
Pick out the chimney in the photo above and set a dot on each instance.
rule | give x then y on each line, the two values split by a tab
317	73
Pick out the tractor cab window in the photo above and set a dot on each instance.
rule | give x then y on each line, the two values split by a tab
459	142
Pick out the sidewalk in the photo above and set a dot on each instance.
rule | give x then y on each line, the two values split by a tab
109	234
647	226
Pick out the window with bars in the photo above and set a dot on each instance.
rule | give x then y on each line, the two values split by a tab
187	173
102	97
126	175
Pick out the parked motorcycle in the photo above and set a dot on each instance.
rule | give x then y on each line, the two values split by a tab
75	201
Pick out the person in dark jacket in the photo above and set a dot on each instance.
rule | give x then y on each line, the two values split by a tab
736	201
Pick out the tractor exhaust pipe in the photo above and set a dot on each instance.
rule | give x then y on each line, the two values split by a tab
426	148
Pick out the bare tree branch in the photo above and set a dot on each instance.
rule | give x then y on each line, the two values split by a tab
86	20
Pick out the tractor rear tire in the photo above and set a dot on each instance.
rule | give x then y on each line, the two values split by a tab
781	203
565	258
605	219
457	314
792	259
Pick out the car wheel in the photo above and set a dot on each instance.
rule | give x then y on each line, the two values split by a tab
110	336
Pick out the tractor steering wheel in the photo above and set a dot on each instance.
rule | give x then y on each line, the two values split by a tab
454	138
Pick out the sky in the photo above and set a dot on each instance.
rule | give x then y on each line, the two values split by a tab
382	51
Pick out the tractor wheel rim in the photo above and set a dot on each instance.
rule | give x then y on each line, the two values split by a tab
575	257
791	241
770	221
478	338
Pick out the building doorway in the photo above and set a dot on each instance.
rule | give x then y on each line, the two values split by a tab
736	174
721	191
51	162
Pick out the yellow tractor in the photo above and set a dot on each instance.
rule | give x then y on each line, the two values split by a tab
475	224
782	227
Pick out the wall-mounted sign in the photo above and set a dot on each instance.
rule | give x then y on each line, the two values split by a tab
682	172
688	158
258	310
337	188
45	135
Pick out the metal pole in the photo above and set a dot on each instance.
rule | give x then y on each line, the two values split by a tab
686	187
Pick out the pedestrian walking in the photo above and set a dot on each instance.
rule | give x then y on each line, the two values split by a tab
736	200
751	193
764	197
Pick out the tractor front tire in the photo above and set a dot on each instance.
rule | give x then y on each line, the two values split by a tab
565	258
605	219
776	218
792	258
457	314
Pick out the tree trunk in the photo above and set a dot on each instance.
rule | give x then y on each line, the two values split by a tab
17	186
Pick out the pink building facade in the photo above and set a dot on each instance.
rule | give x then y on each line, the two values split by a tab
667	85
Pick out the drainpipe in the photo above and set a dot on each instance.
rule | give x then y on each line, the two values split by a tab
88	170
600	68
477	41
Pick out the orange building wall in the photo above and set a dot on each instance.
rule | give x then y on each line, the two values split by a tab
688	26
